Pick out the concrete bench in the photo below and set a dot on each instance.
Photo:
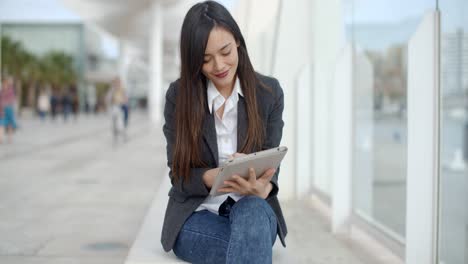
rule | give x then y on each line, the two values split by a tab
147	248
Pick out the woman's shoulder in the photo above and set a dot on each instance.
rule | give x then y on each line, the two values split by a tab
270	85
172	90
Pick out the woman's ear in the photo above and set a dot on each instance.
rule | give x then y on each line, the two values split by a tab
238	44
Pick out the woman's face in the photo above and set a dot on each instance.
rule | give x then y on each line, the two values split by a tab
221	60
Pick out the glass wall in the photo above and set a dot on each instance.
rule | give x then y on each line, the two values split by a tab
380	31
453	224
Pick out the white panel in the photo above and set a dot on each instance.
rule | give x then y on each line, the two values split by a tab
422	170
155	96
303	131
341	166
291	56
257	21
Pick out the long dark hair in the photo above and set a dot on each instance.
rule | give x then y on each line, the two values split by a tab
191	99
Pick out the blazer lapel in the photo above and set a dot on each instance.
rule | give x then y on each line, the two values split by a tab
209	133
209	129
241	123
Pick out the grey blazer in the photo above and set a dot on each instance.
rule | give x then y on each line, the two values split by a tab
185	197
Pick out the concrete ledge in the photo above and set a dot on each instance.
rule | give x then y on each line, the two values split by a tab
147	247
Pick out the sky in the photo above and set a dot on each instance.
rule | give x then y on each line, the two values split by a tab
387	11
54	11
454	12
35	11
395	13
48	10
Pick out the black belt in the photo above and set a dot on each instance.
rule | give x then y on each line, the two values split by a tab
225	207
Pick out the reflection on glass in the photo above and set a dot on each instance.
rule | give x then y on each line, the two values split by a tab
381	31
454	131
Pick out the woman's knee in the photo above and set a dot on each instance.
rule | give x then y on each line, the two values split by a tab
252	218
252	202
253	207
195	247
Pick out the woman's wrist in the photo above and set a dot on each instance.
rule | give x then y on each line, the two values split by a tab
206	180
268	189
209	176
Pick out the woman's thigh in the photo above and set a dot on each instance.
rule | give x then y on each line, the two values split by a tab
204	238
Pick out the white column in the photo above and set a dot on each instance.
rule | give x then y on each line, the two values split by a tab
363	82
290	60
341	147
155	91
123	64
303	129
423	142
328	41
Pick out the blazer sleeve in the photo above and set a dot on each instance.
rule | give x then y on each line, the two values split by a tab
194	186
274	130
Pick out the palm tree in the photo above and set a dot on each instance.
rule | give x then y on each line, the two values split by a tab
32	75
55	68
13	58
58	69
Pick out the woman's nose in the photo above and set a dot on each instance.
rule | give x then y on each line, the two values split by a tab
218	64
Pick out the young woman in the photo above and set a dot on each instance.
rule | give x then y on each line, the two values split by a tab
218	109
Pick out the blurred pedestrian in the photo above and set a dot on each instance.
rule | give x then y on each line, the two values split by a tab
117	105
66	102
8	101
54	103
125	111
43	104
91	99
2	118
74	101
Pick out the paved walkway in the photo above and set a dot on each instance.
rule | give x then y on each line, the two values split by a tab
68	195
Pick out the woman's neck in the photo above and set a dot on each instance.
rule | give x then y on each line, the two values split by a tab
226	90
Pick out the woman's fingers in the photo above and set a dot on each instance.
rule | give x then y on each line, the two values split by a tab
237	185
227	190
252	176
237	154
266	177
243	184
232	184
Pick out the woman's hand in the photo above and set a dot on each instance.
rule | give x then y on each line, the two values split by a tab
209	177
260	187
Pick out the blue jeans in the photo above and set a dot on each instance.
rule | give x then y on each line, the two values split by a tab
247	236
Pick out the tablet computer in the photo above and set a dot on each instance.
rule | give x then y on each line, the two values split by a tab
261	161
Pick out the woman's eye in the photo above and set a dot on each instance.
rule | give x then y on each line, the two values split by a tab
226	54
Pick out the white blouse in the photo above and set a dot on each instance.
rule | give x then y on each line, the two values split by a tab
226	136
